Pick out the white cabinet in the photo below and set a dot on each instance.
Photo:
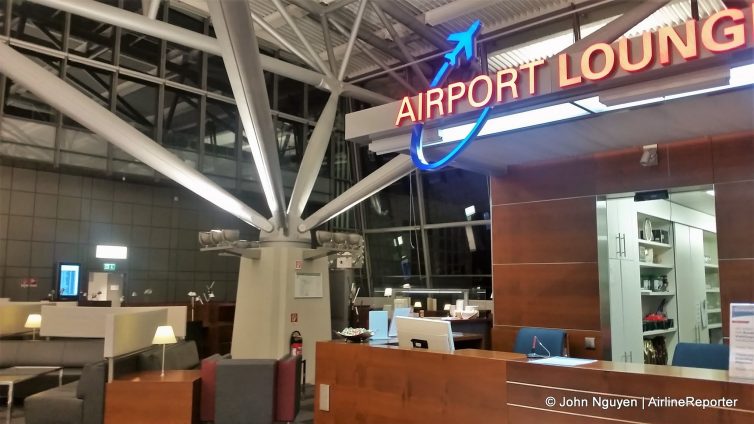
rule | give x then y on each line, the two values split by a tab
625	296
692	290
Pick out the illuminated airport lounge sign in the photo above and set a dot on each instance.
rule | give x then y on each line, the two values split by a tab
722	32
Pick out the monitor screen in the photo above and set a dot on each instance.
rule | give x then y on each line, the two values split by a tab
431	334
68	280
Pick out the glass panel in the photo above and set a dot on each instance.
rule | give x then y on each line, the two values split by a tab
291	144
38	24
217	77
221	129
395	259
480	287
456	195
3	5
290	95
136	104
181	114
93	82
393	206
460	251
140	52
183	64
20	102
91	39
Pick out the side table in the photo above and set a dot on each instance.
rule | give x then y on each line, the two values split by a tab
148	398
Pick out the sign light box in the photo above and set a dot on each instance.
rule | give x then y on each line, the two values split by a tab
111	252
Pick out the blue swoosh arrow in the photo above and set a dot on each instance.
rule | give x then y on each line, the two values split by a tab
464	44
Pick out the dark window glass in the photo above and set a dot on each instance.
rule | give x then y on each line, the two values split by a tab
140	52
91	39
136	103
221	129
291	144
181	115
217	77
393	206
184	64
38	24
455	195
3	13
93	82
396	259
460	250
290	96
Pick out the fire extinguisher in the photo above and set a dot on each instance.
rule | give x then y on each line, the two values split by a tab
297	344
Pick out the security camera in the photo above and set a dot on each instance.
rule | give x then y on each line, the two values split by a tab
649	156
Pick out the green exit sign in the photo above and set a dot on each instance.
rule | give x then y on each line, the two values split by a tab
109	267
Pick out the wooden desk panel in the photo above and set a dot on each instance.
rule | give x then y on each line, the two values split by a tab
387	384
148	398
370	384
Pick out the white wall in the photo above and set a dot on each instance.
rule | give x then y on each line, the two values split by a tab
89	322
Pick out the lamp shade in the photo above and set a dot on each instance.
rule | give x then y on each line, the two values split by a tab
388	291
447	307
417	305
164	335
33	321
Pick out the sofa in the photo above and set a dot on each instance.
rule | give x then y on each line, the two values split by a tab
71	354
83	401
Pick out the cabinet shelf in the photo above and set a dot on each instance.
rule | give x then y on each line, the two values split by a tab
718	325
653	265
658	332
714	311
651	293
655	244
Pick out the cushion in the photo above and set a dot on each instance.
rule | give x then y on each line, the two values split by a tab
54	406
245	391
8	350
77	353
40	353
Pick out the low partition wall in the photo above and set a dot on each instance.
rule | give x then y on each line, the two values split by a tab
89	322
130	331
375	384
13	316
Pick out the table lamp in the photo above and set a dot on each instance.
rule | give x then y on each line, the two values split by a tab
33	321
163	336
388	292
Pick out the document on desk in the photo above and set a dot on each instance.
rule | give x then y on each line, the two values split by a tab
562	361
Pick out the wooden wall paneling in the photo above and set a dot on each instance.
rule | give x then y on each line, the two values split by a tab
690	163
380	384
733	157
545	232
563	295
734	206
545	181
620	171
737	285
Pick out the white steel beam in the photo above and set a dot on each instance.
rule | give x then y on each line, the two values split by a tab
284	13
73	103
352	39
312	161
235	32
282	41
150	8
114	16
397	168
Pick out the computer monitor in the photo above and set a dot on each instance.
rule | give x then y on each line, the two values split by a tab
68	278
432	334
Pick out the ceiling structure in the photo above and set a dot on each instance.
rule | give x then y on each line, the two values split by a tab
334	44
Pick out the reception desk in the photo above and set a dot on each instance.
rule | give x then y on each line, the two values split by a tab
379	384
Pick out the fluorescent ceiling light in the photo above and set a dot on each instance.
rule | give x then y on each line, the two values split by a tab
710	192
739	76
400	240
111	252
515	121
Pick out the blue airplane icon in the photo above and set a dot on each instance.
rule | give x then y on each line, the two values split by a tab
464	43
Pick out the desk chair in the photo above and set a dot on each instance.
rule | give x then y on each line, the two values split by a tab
701	355
553	340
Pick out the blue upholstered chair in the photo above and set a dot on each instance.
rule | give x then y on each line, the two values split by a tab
553	340
701	355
